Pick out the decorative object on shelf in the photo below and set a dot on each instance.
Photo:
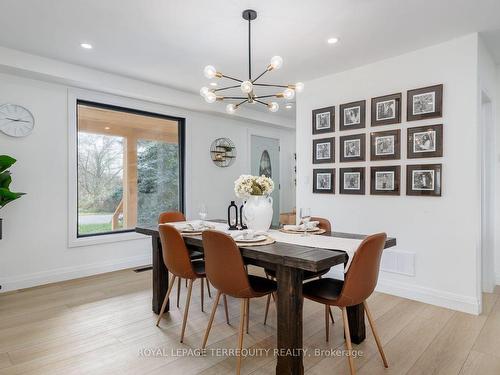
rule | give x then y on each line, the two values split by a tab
232	216
258	208
247	86
352	181
324	150
242	221
423	180
424	103
323	120
223	152
16	121
6	195
353	115
385	145
352	148
385	180
386	110
425	142
324	181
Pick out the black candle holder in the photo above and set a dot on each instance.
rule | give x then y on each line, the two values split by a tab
232	220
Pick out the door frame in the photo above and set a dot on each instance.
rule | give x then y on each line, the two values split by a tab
250	133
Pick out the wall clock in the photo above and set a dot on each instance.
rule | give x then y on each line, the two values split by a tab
16	121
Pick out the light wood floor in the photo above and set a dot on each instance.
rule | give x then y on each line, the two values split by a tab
102	324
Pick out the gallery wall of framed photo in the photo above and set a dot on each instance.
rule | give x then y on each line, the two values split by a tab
373	156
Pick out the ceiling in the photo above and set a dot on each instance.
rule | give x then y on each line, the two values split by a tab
169	42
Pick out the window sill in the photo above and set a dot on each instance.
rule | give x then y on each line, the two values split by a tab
106	238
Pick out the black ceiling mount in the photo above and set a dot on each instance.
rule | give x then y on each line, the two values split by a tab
249	14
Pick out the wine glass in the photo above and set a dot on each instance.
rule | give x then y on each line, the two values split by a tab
305	217
203	213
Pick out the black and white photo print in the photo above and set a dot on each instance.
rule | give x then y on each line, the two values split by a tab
423	179
353	115
324	181
352	148
423	103
385	145
385	180
386	110
352	181
425	142
324	150
323	120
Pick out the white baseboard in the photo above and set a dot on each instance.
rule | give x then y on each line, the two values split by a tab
424	294
68	273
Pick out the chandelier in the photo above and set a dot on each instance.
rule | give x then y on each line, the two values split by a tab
249	85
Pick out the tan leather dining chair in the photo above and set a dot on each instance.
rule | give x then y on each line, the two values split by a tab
172	217
178	262
227	273
323	224
359	283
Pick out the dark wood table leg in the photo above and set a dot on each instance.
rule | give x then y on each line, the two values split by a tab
160	276
289	303
356	316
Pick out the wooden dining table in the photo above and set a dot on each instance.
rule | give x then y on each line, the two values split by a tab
289	261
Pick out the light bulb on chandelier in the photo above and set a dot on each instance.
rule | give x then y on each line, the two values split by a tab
288	94
273	106
231	108
210	97
210	71
246	87
204	91
276	62
299	87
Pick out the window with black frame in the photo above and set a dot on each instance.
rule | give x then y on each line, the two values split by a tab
130	168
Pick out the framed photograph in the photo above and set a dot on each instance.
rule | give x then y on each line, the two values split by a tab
386	110
352	148
423	103
425	142
424	179
385	180
352	181
385	145
324	181
323	150
353	115
323	120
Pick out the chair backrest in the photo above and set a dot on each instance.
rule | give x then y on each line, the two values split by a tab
361	278
224	265
175	253
323	223
170	217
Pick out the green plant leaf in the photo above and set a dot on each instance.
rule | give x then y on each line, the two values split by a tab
5	162
7	196
5	179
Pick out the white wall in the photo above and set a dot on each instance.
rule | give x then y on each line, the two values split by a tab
497	176
35	245
442	232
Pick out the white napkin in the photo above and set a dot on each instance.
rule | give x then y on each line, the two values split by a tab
246	234
191	226
310	225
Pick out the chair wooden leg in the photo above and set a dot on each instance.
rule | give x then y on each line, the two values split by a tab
247	315
186	283
165	300
243	310
179	290
327	322
225	309
331	315
210	322
186	309
202	293
348	340
375	334
267	307
208	289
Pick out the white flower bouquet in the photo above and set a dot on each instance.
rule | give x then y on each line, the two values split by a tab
247	185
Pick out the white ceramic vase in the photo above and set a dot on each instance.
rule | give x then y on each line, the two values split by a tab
258	212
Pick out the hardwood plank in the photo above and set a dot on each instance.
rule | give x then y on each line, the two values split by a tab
449	350
488	341
4	360
480	363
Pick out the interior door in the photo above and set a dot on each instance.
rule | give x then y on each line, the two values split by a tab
265	160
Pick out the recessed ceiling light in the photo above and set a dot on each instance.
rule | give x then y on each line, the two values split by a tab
332	40
213	84
107	128
86	45
288	106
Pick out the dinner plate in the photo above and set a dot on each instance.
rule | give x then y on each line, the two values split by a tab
258	238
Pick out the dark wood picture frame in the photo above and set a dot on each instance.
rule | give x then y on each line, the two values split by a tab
396	170
316	112
318	141
435	152
362	148
395	119
316	188
362	115
343	189
437	91
374	136
433	190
